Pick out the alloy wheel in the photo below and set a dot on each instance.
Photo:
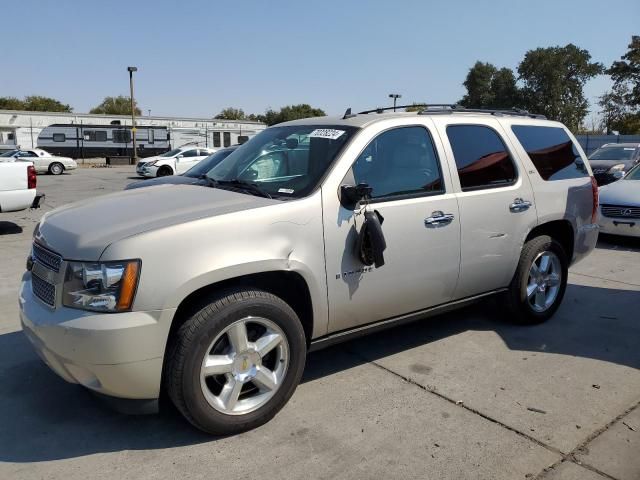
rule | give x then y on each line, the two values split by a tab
545	278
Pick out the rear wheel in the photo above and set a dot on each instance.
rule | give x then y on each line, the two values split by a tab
56	168
164	171
539	283
235	363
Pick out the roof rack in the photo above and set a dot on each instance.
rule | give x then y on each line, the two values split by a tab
447	108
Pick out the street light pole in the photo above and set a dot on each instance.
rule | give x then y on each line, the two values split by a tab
133	113
395	97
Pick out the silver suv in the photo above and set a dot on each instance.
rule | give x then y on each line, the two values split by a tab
313	232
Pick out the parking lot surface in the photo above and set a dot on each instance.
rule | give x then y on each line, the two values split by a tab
460	396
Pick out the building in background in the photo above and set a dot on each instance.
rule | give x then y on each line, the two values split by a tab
21	129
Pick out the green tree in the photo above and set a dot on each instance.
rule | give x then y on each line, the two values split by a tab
37	103
231	113
120	105
553	82
11	103
414	107
34	103
291	112
625	73
488	87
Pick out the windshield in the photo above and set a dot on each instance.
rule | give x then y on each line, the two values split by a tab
207	164
613	153
10	153
634	173
171	153
286	161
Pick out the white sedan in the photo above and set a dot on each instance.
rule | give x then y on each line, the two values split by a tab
42	160
620	205
176	161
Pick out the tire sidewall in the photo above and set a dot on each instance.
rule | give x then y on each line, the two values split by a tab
56	166
206	416
539	245
164	171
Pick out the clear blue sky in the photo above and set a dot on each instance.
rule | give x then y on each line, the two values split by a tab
197	57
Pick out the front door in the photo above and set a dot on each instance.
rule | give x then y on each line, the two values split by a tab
412	192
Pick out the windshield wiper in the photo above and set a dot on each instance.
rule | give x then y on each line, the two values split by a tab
244	185
210	181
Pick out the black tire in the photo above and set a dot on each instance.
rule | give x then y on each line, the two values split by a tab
56	168
192	340
519	308
164	171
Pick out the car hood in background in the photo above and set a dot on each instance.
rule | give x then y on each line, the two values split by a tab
83	230
622	192
610	163
168	180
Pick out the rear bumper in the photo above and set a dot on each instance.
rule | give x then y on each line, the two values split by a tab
118	355
38	200
585	241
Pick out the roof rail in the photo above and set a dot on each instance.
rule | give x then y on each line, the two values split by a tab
444	108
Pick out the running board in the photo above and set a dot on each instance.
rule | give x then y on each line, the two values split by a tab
344	335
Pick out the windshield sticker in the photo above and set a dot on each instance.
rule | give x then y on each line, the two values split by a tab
329	133
285	190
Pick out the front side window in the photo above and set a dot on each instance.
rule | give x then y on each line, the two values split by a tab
190	153
24	153
551	151
481	157
285	162
402	161
59	137
226	136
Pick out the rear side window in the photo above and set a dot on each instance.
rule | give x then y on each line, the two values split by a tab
481	156
551	151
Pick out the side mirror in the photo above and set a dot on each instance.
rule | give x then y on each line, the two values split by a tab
179	157
350	195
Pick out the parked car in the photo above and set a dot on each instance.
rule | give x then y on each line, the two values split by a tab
176	161
18	187
193	176
620	205
42	160
611	161
315	231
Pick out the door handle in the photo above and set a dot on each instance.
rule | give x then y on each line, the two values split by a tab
438	218
519	205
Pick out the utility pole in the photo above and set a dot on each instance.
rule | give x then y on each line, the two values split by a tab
133	114
395	97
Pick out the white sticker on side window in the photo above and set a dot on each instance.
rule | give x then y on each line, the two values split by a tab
329	133
285	190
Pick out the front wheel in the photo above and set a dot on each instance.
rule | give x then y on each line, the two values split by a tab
538	286
164	171
235	363
56	168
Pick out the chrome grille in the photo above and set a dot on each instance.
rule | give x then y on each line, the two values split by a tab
43	290
47	258
620	211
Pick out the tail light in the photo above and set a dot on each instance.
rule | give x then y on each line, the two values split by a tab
594	190
31	176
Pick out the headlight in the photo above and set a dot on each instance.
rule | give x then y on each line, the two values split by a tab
150	164
617	168
101	287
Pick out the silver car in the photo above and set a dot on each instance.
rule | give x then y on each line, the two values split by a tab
620	206
313	232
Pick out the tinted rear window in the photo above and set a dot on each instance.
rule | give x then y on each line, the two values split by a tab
551	151
481	157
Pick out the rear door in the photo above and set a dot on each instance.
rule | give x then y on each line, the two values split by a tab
188	160
496	203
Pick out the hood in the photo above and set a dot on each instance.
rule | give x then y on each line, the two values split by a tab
82	230
610	163
622	192
168	180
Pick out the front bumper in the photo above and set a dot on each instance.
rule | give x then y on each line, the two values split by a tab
628	227
118	355
149	172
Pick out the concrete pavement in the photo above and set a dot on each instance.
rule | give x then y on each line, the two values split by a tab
461	396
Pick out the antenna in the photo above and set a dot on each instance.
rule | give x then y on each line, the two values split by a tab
348	114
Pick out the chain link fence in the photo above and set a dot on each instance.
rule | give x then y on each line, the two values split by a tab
591	143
